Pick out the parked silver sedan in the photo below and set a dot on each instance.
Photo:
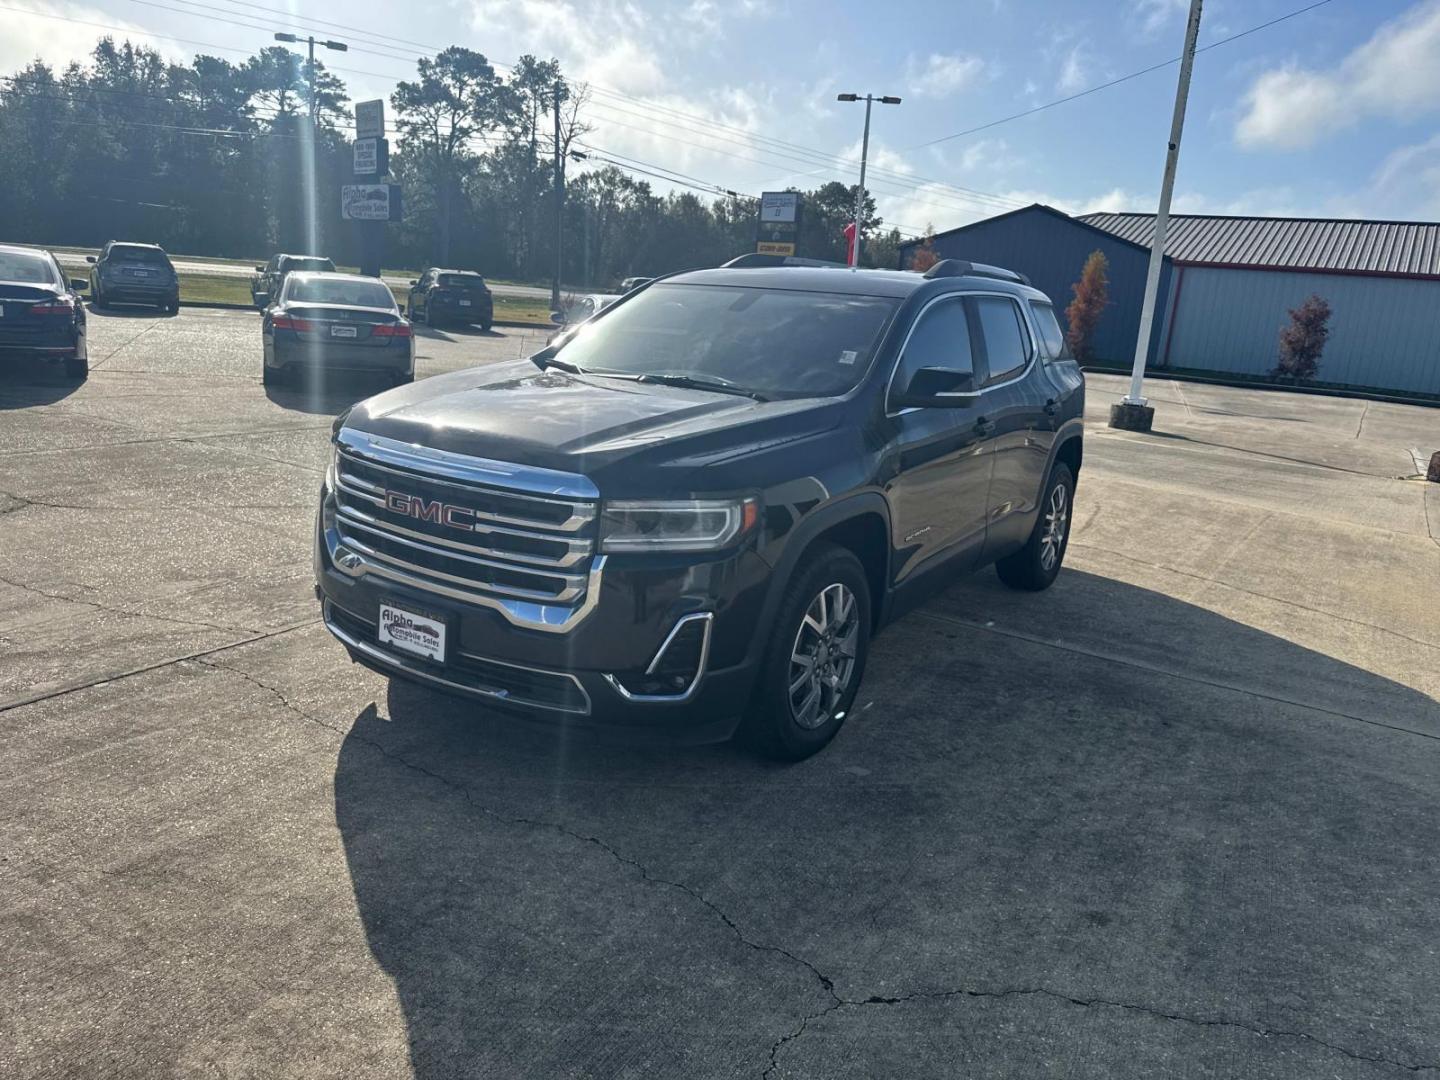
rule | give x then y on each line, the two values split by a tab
336	322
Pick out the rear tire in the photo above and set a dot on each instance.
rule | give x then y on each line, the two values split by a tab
404	378
1035	566
485	326
812	666
77	367
271	376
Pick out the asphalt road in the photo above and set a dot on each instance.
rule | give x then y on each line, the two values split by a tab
74	258
1175	817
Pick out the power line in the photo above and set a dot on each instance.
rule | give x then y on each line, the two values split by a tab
1116	82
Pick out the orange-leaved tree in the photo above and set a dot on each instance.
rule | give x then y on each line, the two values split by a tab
924	257
1083	314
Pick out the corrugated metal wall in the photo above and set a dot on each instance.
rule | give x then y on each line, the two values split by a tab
1051	250
1384	331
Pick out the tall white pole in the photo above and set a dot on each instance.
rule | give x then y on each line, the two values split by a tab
860	192
1162	217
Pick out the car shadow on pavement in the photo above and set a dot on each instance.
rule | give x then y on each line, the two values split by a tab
326	393
550	904
127	311
25	382
425	330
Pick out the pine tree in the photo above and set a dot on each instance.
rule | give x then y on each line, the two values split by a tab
1083	314
1302	342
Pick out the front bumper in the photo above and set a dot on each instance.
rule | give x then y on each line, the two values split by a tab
578	676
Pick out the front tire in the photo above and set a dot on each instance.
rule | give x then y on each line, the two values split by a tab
815	659
1035	566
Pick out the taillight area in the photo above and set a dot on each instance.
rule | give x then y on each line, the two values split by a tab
391	330
62	306
286	322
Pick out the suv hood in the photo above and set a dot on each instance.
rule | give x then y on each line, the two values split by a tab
618	432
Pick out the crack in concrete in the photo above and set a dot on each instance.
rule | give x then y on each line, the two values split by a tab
826	983
125	611
1090	1003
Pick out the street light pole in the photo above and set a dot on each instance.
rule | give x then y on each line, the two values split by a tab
1133	412
310	42
869	99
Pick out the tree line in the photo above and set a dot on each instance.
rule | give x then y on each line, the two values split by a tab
221	158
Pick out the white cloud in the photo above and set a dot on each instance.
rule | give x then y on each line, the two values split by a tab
1394	74
1407	183
1152	16
30	37
1074	70
940	74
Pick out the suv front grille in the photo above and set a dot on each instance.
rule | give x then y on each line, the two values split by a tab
465	527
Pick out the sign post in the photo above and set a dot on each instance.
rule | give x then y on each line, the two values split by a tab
369	202
777	232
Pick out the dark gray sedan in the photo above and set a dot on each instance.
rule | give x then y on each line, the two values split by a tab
336	322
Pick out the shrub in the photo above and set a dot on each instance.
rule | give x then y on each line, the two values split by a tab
1083	314
1302	342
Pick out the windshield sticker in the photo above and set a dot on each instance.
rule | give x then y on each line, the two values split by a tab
848	356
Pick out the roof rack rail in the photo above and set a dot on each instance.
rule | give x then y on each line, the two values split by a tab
754	260
963	268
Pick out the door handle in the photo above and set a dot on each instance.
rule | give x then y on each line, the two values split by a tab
1052	407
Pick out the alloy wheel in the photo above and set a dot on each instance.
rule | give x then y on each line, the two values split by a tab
822	659
1057	514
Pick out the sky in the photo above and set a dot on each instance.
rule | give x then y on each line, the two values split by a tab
1334	112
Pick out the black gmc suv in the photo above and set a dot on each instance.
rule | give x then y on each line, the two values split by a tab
689	514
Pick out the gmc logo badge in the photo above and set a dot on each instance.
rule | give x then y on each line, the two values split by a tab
432	510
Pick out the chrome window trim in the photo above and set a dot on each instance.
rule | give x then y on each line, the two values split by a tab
550	617
900	356
430	463
700	668
400	663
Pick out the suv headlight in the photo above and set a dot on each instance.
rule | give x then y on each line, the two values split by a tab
675	525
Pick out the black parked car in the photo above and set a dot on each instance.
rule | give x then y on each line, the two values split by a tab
689	516
134	274
451	296
336	322
266	281
41	312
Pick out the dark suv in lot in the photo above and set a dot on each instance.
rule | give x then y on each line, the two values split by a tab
451	296
689	515
134	274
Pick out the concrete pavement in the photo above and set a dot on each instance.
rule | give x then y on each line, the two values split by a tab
1175	816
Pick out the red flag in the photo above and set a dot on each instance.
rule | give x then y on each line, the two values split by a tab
850	243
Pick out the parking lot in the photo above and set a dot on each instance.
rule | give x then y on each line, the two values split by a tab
1175	817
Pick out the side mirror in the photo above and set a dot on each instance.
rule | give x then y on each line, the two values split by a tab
558	318
939	388
90	258
413	284
79	284
259	269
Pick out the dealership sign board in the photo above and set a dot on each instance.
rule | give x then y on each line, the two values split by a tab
372	157
778	229
370	119
370	202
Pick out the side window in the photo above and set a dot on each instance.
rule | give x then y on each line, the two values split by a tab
1007	342
940	339
1054	341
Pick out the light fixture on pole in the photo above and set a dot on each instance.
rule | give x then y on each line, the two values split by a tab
338	46
869	99
1133	412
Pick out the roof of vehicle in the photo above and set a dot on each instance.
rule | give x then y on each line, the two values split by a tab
24	249
836	279
466	273
332	275
311	258
135	244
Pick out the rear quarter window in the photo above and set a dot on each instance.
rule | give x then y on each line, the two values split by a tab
1051	336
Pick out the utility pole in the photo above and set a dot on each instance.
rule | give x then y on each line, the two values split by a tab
310	42
864	153
1133	412
308	140
559	202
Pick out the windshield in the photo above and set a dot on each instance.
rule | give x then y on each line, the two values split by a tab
345	291
154	256
24	268
776	342
462	281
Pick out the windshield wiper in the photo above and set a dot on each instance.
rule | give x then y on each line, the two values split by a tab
545	358
695	382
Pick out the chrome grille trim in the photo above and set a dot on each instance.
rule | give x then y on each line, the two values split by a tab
552	586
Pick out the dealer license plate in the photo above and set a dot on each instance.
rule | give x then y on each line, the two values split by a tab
342	331
464	303
412	632
140	273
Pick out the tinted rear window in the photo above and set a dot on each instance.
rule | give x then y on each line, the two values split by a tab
462	281
25	268
357	293
317	265
139	254
1006	342
1055	346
